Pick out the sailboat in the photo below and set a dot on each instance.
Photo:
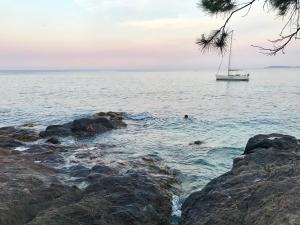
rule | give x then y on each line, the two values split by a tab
232	74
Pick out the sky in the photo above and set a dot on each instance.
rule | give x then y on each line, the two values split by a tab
128	35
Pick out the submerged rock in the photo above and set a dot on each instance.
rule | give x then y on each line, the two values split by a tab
85	127
262	188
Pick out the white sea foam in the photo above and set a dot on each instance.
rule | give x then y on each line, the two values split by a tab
83	185
273	138
21	149
176	206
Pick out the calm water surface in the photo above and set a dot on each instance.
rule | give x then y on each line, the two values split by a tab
223	115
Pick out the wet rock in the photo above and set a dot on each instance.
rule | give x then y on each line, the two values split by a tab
272	140
115	119
135	197
14	136
57	130
138	192
18	134
78	171
9	142
83	155
262	188
26	188
197	143
49	155
100	114
102	169
29	124
53	140
85	127
110	115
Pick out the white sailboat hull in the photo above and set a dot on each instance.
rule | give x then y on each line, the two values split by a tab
236	77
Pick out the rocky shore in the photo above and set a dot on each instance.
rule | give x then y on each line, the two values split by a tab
39	187
263	187
45	181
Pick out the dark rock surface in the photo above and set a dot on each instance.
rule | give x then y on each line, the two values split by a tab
26	188
263	188
197	143
114	200
14	137
77	171
53	140
32	192
85	127
19	134
272	140
9	142
57	130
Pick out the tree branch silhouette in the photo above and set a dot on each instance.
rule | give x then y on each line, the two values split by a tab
218	39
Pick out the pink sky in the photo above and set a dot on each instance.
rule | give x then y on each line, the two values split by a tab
143	35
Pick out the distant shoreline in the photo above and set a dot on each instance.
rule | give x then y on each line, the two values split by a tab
282	67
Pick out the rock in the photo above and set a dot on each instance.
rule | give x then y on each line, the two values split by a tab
116	118
29	124
9	142
110	115
14	137
272	140
198	142
100	114
106	122
78	171
49	155
102	169
57	130
133	193
27	188
86	127
53	140
24	135
83	155
262	188
114	198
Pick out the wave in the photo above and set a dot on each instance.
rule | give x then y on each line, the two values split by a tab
140	116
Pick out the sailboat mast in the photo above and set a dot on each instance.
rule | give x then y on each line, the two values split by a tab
230	51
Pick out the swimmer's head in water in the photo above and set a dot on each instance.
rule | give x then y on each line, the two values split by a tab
186	116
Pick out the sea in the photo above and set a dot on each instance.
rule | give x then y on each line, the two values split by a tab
222	115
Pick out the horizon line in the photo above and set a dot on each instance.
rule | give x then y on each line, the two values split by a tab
122	70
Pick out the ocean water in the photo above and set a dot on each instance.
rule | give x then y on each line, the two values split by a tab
222	114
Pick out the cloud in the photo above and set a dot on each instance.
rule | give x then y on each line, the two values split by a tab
139	9
178	23
101	5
